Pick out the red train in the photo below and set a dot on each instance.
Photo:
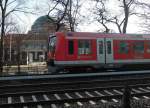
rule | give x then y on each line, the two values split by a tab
96	50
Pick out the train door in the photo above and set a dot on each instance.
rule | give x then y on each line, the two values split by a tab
101	50
109	50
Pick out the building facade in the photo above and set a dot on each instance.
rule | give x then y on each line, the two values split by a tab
30	47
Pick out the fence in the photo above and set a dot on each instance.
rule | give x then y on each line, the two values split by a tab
25	69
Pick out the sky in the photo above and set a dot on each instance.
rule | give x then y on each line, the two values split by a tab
88	25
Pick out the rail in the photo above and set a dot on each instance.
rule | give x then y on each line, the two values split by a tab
75	96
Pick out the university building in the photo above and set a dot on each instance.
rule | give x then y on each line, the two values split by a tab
31	47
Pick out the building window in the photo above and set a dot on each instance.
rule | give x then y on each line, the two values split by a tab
108	47
70	47
123	47
84	47
138	47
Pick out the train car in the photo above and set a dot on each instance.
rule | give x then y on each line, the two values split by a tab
82	49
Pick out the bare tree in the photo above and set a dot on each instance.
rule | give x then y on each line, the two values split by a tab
18	43
65	12
130	8
102	15
73	13
145	24
144	15
59	11
126	6
8	7
105	17
15	40
3	6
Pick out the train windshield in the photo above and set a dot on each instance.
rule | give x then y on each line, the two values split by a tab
52	43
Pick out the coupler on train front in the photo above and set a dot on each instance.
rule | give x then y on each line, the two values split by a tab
52	69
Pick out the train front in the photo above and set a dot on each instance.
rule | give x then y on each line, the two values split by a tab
51	51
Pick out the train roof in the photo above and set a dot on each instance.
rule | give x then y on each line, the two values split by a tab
107	35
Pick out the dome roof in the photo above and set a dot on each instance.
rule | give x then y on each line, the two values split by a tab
40	23
43	19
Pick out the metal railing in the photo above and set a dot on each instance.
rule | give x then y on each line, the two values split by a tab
24	69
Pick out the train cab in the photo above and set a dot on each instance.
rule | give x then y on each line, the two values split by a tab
51	50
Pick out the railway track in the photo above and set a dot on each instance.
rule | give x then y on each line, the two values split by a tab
51	85
67	97
81	76
72	91
54	82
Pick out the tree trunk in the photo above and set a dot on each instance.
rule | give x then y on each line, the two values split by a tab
126	10
18	53
1	41
18	61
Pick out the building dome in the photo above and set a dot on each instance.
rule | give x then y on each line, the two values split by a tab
43	24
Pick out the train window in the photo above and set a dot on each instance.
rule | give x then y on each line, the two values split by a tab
108	47
123	47
100	47
52	43
138	47
84	47
70	47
